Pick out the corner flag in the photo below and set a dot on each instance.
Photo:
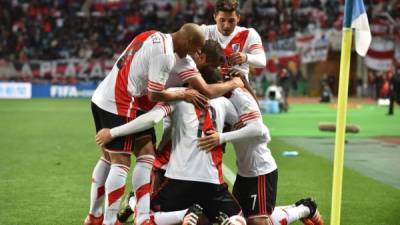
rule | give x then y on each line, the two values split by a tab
354	17
359	21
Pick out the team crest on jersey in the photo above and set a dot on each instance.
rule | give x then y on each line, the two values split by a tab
155	39
236	47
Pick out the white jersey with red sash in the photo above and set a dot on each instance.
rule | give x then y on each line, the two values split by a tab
253	157
143	66
184	69
242	39
187	162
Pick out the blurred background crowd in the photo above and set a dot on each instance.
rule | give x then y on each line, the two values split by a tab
33	31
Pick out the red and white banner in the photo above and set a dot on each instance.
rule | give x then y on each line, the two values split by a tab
380	54
335	38
79	68
380	27
280	53
312	47
397	51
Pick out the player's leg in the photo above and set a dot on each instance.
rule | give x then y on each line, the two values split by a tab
314	217
99	176
257	196
141	176
188	216
174	202
157	179
304	210
220	205
115	184
97	190
283	215
119	151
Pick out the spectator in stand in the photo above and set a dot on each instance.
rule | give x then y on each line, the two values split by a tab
285	83
326	94
394	91
47	30
275	102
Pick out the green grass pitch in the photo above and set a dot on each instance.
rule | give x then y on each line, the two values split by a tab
47	153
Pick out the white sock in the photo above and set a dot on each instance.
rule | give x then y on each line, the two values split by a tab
288	214
115	188
167	218
236	220
99	177
141	184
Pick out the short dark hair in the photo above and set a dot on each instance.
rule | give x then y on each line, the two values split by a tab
227	6
211	75
213	51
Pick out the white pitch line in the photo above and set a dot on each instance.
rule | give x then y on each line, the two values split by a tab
229	175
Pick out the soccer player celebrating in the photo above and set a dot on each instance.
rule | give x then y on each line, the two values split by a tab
133	86
188	69
190	170
255	186
242	46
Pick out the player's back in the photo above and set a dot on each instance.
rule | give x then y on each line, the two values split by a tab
253	157
129	76
187	161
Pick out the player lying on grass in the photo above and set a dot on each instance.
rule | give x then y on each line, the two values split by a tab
255	186
190	170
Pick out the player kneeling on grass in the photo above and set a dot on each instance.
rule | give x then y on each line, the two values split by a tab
256	182
190	170
193	176
133	86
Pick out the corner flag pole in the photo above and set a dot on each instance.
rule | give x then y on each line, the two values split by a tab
341	114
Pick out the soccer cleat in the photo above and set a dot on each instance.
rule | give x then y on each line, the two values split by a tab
223	219
192	215
315	217
92	220
126	211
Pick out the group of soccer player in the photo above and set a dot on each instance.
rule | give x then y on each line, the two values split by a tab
195	80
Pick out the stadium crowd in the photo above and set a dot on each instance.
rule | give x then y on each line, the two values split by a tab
44	29
99	30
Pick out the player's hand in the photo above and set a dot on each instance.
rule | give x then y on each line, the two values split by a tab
194	97
237	82
210	141
103	137
237	58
